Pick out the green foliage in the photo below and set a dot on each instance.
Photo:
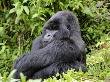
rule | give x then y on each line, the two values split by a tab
21	21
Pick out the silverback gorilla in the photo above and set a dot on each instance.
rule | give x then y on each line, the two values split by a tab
59	48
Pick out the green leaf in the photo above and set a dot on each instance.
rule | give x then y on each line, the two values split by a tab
1	31
12	10
88	11
37	80
11	74
25	1
42	18
26	9
17	20
19	8
23	78
35	15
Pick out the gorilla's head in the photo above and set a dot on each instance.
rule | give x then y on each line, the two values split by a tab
60	26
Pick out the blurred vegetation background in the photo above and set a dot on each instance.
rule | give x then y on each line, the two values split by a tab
21	21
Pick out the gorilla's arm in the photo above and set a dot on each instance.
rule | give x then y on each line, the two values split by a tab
46	56
37	59
19	59
37	44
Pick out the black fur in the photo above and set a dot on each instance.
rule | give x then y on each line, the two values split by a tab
66	51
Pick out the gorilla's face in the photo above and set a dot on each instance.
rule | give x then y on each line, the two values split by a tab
55	29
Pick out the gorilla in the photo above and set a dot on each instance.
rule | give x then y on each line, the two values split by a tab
58	49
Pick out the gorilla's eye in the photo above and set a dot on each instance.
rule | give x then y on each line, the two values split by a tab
48	35
68	27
